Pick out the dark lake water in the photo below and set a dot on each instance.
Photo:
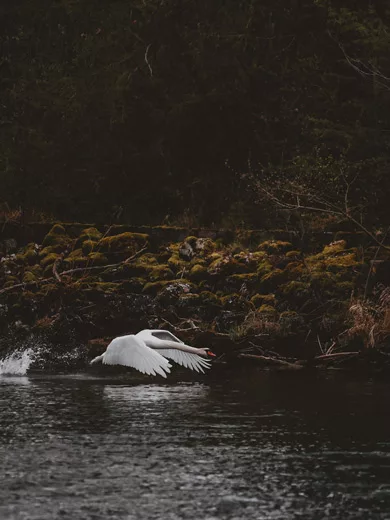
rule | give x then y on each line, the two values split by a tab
249	445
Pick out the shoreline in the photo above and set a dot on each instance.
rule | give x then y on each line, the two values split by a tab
81	286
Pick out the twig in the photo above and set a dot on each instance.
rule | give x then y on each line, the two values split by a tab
147	61
336	354
272	360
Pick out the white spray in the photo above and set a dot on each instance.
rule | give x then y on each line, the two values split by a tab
17	363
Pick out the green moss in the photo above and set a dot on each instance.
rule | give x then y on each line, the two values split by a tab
160	272
155	287
294	287
335	247
128	243
36	270
10	281
293	254
198	272
260	299
148	259
76	259
264	267
273	279
341	262
235	302
29	277
267	309
90	233
275	246
96	258
29	256
210	298
288	315
49	259
322	280
87	246
106	287
227	265
56	237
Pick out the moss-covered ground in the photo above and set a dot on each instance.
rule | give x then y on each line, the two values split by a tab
236	298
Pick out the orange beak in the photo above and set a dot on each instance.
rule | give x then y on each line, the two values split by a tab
211	353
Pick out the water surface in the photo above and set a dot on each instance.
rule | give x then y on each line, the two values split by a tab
255	446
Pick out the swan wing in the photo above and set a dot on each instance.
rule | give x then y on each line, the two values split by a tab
133	352
185	359
164	335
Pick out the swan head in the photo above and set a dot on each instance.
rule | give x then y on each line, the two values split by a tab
211	354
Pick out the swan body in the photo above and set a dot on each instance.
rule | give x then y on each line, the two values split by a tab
149	352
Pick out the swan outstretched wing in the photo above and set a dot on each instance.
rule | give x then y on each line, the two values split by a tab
164	335
185	359
133	352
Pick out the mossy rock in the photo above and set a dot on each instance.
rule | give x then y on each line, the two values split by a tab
263	299
56	248
267	309
250	259
29	277
295	288
107	287
335	247
160	272
89	234
96	258
209	298
76	259
340	263
29	256
88	246
204	247
238	282
293	254
128	243
49	259
296	269
264	267
36	270
176	263
198	272
226	265
148	259
273	279
188	304
10	281
235	302
322	280
57	238
275	246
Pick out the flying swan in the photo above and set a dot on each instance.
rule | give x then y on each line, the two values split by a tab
149	351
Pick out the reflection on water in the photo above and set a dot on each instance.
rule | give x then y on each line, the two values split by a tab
263	446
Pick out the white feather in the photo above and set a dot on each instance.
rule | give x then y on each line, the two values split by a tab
185	359
133	352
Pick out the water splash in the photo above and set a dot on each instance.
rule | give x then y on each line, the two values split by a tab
17	363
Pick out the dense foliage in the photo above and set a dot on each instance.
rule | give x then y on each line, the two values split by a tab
148	111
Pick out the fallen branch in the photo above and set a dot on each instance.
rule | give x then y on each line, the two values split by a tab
336	355
276	361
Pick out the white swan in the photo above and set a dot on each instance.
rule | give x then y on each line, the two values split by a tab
147	352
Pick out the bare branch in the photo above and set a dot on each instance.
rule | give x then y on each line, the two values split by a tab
147	61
